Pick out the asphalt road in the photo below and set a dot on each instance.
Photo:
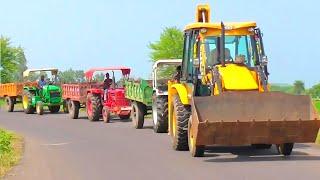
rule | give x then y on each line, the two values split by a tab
60	148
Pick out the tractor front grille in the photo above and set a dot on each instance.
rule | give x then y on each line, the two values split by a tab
54	94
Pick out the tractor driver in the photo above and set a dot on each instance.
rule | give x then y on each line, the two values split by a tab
106	85
41	82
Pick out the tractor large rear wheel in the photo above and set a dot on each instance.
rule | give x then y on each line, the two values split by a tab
160	114
54	109
180	119
137	114
10	103
73	107
94	107
27	102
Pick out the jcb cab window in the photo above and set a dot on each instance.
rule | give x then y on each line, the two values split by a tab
237	49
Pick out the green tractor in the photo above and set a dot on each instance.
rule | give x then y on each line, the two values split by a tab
35	98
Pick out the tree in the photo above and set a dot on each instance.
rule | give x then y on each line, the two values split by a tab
298	87
314	91
170	45
12	61
71	76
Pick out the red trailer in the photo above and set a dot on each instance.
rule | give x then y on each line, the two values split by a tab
92	96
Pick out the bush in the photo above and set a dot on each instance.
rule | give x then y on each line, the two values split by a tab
10	150
5	142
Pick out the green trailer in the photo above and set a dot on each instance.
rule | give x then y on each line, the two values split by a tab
152	95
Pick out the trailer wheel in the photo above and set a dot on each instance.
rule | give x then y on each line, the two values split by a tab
65	106
261	146
39	108
160	114
285	149
137	114
195	150
27	102
94	107
54	109
73	107
10	103
106	115
181	114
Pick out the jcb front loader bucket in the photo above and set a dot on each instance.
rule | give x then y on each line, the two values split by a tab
239	118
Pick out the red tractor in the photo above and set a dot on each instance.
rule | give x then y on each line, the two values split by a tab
98	99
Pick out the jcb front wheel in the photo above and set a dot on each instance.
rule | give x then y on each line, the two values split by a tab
179	131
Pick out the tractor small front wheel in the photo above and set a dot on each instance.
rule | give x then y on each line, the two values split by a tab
106	115
39	108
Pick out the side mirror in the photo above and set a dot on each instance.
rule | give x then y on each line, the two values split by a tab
264	61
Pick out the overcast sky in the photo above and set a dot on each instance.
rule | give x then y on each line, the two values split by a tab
83	34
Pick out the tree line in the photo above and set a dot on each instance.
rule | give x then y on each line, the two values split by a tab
169	46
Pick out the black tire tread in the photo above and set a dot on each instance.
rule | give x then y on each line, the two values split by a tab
30	109
162	115
96	107
183	113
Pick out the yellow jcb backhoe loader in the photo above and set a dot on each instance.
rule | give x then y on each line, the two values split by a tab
223	96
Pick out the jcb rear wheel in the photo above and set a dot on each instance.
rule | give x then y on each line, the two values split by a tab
73	107
27	102
285	149
54	109
195	150
160	114
10	103
137	114
94	107
181	114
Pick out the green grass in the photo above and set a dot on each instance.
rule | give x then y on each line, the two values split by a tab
317	104
11	146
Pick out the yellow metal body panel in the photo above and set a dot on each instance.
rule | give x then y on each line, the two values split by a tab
236	77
